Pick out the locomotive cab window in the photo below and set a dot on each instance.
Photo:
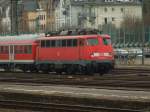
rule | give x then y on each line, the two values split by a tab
106	41
92	41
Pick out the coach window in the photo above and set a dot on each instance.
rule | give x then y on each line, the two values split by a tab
29	47
19	49
64	43
53	43
4	49
92	41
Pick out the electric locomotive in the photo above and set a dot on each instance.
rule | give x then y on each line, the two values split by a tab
71	53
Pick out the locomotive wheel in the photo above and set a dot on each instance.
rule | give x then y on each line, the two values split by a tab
45	71
70	70
101	73
59	71
7	69
89	70
24	69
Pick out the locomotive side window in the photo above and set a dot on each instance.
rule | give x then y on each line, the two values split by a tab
53	43
59	43
42	43
48	43
64	43
92	41
69	43
74	44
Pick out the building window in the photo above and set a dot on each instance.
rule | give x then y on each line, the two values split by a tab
113	19
105	19
113	9
105	9
122	9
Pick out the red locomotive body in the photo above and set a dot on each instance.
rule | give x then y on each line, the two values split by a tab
82	53
17	52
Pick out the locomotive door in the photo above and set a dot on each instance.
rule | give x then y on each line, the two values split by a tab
81	48
11	53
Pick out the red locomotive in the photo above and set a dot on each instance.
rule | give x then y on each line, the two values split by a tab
90	53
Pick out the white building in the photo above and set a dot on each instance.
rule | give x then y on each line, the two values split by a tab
42	19
95	13
6	20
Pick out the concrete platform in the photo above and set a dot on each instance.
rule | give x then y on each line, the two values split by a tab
133	66
69	91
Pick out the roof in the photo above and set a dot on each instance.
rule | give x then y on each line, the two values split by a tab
67	37
105	36
21	39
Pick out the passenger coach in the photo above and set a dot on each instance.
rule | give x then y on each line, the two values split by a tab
82	53
18	52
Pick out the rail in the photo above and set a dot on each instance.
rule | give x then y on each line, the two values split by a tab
11	104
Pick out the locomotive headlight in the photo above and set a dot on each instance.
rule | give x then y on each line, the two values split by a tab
107	54
97	54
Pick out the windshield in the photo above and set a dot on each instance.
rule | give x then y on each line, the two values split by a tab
92	41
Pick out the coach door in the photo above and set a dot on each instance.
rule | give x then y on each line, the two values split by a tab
11	53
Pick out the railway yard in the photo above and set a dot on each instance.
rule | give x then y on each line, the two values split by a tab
125	89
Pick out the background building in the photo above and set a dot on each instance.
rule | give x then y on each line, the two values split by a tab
95	13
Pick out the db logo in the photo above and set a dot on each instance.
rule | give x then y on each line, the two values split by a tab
58	54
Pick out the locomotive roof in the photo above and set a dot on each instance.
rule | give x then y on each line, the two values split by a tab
67	37
21	39
73	37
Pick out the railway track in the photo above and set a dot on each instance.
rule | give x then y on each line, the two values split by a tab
36	106
119	78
